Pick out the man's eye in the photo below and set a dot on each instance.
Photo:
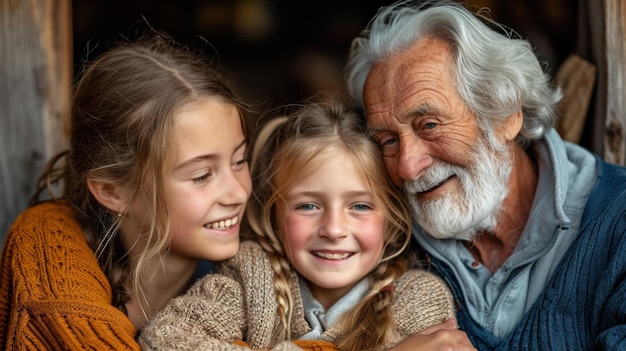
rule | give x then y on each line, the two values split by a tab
389	145
430	125
387	141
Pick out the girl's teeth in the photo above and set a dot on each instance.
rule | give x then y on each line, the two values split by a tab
224	224
332	256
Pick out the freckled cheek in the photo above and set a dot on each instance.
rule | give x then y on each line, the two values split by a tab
176	206
190	209
296	232
370	235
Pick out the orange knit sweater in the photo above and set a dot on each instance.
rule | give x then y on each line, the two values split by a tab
53	294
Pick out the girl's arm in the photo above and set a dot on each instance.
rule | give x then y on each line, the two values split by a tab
424	312
210	316
421	299
234	310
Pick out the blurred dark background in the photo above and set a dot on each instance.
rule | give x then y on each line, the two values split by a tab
273	53
278	52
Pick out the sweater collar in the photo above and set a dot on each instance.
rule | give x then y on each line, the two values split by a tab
321	320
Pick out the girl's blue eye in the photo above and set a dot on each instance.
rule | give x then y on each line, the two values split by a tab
361	207
306	207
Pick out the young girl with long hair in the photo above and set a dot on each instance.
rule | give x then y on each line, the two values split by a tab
154	185
326	265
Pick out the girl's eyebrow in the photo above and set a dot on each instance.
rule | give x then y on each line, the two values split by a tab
206	157
348	194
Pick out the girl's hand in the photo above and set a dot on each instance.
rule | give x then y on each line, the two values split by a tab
444	336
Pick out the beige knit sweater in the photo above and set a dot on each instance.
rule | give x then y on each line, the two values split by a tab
240	304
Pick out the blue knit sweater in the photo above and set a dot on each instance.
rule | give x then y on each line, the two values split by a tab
583	306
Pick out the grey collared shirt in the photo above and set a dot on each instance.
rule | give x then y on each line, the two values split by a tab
567	173
321	320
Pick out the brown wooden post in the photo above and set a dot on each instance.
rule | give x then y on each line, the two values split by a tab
35	88
615	124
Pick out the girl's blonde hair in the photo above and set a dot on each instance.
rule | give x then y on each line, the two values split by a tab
291	153
120	129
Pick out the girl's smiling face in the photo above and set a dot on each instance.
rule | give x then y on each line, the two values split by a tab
207	180
333	227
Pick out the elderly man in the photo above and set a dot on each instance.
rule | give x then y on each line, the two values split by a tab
529	230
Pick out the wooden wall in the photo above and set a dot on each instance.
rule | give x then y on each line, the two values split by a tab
35	87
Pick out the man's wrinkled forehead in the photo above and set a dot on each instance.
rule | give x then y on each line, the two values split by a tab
397	84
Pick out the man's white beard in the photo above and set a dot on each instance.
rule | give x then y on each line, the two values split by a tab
461	215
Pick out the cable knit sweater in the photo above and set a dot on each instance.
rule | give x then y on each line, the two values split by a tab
240	304
53	294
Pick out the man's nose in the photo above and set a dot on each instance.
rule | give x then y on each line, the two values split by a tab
413	157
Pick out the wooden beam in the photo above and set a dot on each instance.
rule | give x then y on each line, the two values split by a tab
615	124
35	88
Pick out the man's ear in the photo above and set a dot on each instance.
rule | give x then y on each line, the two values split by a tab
108	195
511	127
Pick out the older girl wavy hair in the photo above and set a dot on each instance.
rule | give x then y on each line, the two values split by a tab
496	73
293	151
121	124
